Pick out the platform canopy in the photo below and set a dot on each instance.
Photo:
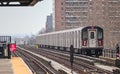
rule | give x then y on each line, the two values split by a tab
18	2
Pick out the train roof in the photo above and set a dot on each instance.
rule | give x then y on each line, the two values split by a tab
68	30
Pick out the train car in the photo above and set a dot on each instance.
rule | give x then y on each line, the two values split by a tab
86	40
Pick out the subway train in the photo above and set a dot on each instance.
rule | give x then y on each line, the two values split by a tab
86	40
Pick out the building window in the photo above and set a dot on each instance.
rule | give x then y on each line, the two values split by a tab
61	3
62	8
62	18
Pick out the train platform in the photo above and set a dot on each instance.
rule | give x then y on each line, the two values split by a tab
15	65
6	66
19	67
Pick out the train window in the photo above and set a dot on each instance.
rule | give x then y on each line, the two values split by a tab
85	35
1	45
100	34
92	35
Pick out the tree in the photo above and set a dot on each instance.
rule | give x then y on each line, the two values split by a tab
41	31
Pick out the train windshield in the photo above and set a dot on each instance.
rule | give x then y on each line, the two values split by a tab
92	35
100	34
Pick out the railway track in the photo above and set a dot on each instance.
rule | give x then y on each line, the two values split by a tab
80	67
93	59
36	64
98	60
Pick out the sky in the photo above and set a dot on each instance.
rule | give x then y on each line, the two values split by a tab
24	20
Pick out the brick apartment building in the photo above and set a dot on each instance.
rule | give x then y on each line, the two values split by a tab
70	14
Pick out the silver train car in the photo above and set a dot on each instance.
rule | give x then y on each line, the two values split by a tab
86	40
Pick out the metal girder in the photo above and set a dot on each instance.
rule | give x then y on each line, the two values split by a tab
18	2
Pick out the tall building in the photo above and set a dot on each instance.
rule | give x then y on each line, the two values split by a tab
49	23
70	14
112	22
76	13
59	15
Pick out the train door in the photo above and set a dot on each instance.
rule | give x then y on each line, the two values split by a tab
92	38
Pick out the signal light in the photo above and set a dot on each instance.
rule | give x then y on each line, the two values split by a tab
92	27
12	47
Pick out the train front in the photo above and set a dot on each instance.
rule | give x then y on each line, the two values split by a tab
92	40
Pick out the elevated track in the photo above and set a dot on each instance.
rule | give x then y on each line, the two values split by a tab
83	66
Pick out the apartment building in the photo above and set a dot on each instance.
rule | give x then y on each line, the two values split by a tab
76	13
112	22
70	14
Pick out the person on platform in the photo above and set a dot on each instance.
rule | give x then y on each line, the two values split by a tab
71	57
